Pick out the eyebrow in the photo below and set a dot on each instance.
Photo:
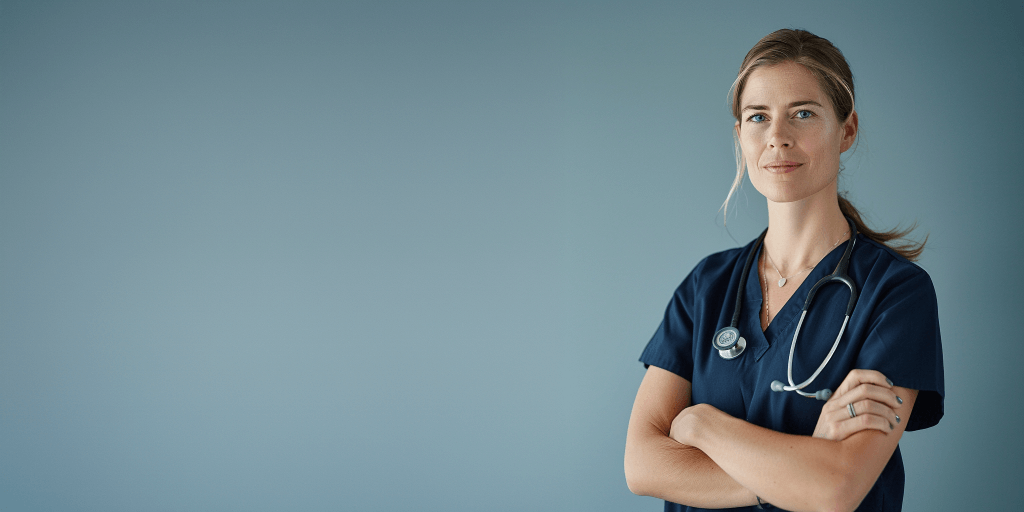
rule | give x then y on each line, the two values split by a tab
791	105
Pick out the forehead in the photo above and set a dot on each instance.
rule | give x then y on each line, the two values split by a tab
781	83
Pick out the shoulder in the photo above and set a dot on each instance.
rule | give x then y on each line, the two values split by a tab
893	290
878	266
718	266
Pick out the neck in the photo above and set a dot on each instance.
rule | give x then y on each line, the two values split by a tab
800	233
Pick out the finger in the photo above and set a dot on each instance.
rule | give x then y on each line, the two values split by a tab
860	376
865	407
864	392
840	425
861	423
879	394
835	425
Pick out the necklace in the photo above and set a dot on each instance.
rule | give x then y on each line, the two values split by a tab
783	279
764	271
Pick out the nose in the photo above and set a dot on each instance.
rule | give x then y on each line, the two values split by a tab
779	136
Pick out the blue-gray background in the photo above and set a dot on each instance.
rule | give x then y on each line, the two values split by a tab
390	255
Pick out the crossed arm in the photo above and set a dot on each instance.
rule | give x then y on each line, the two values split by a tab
702	457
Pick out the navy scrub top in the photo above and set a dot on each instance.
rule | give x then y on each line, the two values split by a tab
894	329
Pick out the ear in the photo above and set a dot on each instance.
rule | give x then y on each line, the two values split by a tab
849	132
737	127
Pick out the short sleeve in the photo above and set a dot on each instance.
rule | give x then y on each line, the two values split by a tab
671	347
903	343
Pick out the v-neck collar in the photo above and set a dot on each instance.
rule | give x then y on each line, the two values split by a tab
785	320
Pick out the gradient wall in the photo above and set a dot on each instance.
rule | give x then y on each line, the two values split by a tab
397	255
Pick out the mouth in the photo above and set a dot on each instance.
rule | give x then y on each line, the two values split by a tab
782	167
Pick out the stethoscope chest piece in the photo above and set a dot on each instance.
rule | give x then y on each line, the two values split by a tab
729	343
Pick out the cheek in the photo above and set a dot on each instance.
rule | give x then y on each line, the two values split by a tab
826	144
751	149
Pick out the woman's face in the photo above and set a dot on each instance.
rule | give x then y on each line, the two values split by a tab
789	134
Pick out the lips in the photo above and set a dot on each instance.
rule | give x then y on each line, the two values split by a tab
782	166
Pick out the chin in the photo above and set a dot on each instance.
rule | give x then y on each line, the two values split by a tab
791	192
781	193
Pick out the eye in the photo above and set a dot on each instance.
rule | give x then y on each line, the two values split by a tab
804	114
756	118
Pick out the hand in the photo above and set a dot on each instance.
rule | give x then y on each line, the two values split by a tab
874	402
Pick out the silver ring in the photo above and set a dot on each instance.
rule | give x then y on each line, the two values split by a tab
849	407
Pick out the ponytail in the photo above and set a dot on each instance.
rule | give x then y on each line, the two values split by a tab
895	239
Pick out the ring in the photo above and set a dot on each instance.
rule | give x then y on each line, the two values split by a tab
849	407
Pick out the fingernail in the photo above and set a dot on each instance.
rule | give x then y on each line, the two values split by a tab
899	400
889	381
897	418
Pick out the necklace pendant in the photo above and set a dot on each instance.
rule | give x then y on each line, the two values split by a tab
782	282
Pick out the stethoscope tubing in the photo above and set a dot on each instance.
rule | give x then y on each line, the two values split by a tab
737	308
731	345
792	350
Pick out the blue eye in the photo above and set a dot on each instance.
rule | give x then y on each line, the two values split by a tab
757	118
804	114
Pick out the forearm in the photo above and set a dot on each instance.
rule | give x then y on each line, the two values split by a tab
793	472
657	465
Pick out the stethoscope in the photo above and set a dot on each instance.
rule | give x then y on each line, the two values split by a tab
730	344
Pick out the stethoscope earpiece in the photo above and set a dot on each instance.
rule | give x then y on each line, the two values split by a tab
821	394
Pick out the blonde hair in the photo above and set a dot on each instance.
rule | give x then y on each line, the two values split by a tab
827	64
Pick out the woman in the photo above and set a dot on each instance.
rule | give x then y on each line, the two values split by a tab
711	432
